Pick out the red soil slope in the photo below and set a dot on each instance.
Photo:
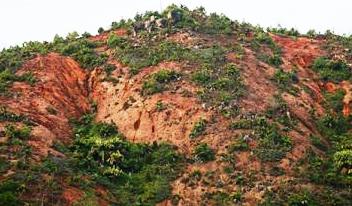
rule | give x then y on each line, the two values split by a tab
60	86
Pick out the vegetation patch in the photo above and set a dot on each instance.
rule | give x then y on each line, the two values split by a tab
285	80
334	100
272	146
135	173
330	70
198	129
203	153
159	81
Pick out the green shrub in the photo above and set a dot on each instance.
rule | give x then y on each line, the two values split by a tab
284	80
101	30
335	100
272	146
203	153
109	68
238	145
329	70
116	41
316	141
136	173
158	81
216	24
198	129
7	78
284	31
220	198
280	112
81	50
343	160
9	192
333	125
148	53
160	106
13	132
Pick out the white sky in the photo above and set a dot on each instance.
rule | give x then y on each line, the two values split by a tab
25	20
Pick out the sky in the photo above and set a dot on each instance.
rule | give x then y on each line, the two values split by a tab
40	20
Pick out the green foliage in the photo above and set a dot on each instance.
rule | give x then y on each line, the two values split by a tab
238	145
280	112
148	54
115	41
109	68
343	160
216	24
101	30
335	100
333	125
262	40
137	173
287	32
18	133
198	129
159	81
203	153
285	80
223	199
316	141
8	193
81	50
272	145
300	200
274	60
7	78
160	106
329	70
13	57
221	87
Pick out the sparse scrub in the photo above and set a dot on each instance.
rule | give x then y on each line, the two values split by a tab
198	128
158	81
329	70
138	173
203	153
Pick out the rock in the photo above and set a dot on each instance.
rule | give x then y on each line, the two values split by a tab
174	16
161	23
137	27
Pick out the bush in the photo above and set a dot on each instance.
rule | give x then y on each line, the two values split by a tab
217	24
109	68
81	50
147	54
8	193
203	153
116	41
272	146
238	145
343	160
136	173
198	129
284	80
329	70
13	132
158	81
101	30
7	78
335	100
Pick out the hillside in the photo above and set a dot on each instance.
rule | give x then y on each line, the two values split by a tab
177	108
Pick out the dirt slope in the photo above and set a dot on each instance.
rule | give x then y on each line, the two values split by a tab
64	90
61	87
